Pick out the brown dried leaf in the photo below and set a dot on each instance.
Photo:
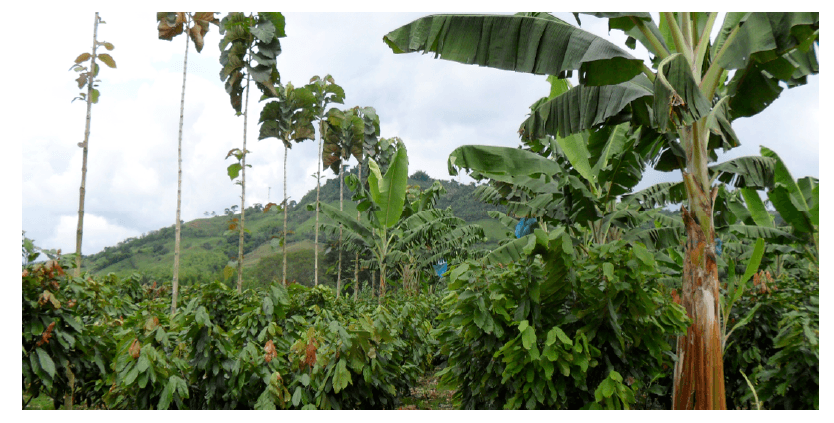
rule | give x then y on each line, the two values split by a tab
108	60
135	348
269	348
151	323
82	57
170	25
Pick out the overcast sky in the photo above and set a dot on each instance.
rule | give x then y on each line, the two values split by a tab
433	105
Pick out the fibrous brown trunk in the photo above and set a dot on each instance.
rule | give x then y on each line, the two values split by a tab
82	191
178	232
699	371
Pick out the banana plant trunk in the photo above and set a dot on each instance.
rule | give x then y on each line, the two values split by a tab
284	240
178	232
356	268
699	371
82	191
242	192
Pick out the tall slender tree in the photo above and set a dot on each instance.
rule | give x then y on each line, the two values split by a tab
242	34
325	91
86	78
288	119
685	104
369	144
345	136
170	25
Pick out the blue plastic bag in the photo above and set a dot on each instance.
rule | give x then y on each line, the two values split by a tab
441	267
524	227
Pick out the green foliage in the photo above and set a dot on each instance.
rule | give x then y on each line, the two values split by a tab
513	342
250	39
87	75
779	348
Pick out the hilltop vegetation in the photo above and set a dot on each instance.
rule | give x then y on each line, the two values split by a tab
207	246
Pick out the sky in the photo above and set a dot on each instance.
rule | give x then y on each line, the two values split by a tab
433	105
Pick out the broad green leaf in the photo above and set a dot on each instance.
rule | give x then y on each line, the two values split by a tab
94	96
756	207
745	172
528	337
131	375
556	332
46	362
296	396
500	161
763	36
643	254
341	376
388	191
677	93
165	398
264	31
583	107
511	251
265	401
608	271
143	363
518	43
234	170
755	259
575	149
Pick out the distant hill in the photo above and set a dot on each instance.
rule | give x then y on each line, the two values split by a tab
207	246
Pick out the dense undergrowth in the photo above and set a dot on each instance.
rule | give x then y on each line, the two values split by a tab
501	337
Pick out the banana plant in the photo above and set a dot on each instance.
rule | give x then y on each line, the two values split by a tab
196	25
387	198
290	119
325	91
86	78
685	102
250	39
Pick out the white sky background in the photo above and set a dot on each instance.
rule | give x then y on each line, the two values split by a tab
433	105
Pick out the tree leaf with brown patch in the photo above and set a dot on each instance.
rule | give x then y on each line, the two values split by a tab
108	60
82	58
170	24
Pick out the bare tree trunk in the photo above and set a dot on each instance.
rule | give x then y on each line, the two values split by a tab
178	232
318	191
356	269
284	241
82	191
242	192
381	282
341	208
699	371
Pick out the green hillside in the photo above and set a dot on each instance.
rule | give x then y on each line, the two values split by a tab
207	245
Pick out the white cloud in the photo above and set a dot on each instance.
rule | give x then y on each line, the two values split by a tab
98	233
433	105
